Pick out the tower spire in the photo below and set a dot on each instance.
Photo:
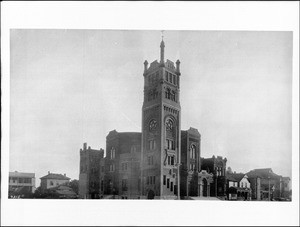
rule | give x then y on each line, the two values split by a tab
162	48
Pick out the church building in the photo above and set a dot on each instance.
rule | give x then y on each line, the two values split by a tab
162	161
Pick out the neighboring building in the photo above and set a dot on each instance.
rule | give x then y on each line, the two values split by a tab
270	183
101	177
238	186
286	188
255	187
193	181
161	134
89	176
21	183
52	180
216	166
231	186
120	175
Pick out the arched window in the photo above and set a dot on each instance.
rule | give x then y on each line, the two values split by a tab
193	151
173	96
169	125
112	153
168	93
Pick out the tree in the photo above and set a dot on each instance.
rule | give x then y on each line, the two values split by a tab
74	184
44	194
229	170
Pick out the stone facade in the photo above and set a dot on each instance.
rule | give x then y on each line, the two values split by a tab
190	162
121	167
89	175
161	114
216	166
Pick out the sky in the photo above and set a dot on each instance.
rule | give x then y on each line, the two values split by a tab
68	87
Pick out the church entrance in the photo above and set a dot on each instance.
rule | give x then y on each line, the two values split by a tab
204	181
151	195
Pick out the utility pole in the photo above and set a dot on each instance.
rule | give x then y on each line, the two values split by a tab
269	189
178	180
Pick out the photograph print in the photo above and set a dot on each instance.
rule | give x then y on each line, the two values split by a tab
150	115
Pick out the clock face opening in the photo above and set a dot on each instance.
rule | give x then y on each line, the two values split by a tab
152	125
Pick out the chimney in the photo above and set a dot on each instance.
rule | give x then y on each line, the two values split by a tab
89	148
64	174
84	146
48	172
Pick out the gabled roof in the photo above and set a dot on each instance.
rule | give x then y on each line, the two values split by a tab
236	176
55	176
263	173
231	178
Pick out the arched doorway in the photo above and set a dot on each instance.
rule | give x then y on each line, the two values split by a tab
151	195
204	187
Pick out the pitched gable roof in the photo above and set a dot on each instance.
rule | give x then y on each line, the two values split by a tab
263	173
236	176
55	176
231	178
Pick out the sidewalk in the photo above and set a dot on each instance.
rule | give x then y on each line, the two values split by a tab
204	198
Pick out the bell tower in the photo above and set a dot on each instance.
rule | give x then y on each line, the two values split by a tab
161	114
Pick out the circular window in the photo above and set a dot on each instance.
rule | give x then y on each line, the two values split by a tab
152	125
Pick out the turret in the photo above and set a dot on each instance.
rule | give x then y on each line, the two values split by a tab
145	66
178	66
162	52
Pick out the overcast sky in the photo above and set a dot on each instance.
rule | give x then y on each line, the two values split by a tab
74	86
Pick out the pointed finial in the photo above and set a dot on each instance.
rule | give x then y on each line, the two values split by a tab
162	48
